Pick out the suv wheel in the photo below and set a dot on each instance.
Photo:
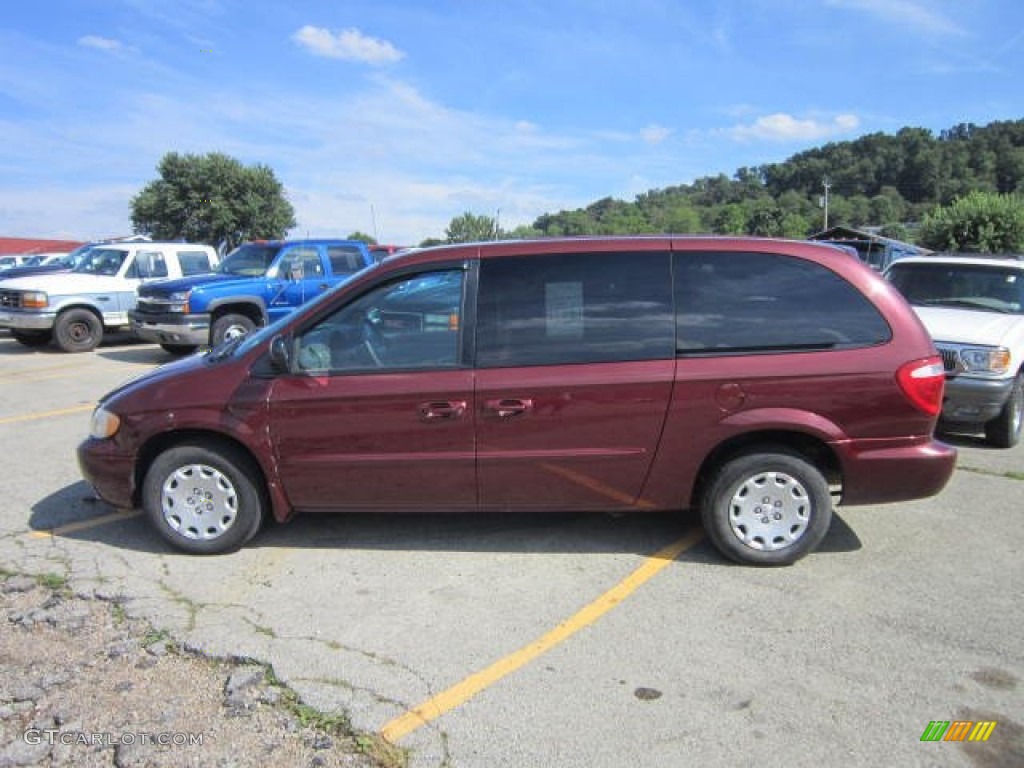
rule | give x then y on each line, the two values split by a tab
78	330
230	326
767	508
1004	430
32	338
203	500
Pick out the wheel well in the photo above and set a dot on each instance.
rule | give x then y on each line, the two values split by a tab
168	440
252	311
86	307
807	447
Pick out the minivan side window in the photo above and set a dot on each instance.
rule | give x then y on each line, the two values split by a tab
411	323
574	308
762	302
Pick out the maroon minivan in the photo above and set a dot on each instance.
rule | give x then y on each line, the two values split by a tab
753	379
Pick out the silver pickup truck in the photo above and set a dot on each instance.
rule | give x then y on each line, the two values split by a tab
76	308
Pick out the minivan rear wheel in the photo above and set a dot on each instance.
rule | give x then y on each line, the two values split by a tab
203	500
769	508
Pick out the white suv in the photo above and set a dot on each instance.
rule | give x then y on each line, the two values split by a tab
76	308
973	307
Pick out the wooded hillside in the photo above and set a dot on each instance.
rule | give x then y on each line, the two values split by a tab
881	180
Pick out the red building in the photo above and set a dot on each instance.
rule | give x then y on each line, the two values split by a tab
9	245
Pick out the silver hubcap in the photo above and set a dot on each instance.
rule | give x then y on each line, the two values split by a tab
770	511
234	331
199	502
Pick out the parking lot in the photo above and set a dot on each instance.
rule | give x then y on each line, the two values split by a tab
564	640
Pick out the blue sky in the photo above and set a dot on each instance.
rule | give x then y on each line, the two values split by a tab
392	117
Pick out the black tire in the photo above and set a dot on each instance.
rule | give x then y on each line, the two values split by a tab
221	510
229	326
78	330
33	338
769	508
1004	430
179	349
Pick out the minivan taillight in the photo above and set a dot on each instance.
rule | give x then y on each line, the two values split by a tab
922	381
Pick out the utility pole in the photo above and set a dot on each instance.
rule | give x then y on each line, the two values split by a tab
824	200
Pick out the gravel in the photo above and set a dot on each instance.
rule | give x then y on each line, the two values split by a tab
82	684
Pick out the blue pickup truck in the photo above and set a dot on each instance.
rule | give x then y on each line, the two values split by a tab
255	284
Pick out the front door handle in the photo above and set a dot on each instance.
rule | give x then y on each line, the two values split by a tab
509	407
440	410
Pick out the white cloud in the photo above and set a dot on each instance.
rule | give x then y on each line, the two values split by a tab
783	127
349	44
655	134
101	43
905	13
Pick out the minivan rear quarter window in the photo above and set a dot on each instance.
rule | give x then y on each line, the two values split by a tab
574	308
762	302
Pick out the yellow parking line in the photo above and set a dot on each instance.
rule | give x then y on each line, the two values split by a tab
84	525
47	414
14	374
461	692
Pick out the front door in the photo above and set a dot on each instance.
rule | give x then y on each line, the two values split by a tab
379	412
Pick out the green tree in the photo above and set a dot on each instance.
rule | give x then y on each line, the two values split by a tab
362	237
212	199
470	228
981	222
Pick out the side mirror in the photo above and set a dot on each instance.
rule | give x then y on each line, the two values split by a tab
281	354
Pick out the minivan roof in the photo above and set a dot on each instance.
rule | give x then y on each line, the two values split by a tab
541	246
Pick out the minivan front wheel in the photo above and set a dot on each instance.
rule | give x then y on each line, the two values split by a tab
203	500
767	508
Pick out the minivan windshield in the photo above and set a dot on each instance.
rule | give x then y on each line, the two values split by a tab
970	286
249	260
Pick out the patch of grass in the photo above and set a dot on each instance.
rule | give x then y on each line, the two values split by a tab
155	636
382	751
53	581
118	612
311	717
1011	475
261	630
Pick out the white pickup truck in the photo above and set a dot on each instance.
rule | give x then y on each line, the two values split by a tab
76	308
973	307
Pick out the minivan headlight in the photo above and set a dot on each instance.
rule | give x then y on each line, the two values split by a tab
992	360
104	424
